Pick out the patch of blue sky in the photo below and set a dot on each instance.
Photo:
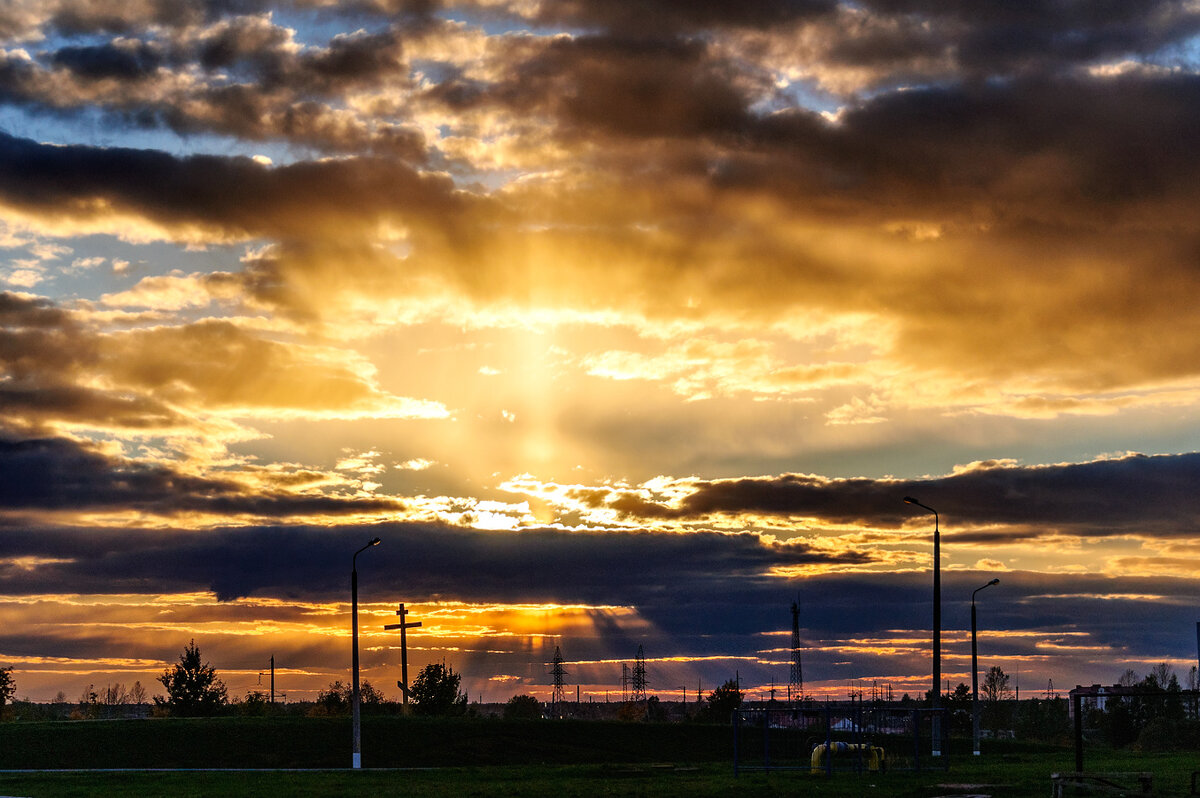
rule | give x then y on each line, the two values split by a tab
494	22
435	71
95	127
54	40
104	264
316	26
798	94
1183	55
485	181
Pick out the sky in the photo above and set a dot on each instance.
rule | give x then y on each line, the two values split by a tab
621	323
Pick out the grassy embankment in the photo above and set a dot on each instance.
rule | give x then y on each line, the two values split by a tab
487	757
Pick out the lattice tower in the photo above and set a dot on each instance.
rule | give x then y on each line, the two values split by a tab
796	674
638	684
559	673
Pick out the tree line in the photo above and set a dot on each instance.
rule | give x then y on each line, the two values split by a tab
194	689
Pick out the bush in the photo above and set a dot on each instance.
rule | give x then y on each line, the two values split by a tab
523	707
336	699
255	705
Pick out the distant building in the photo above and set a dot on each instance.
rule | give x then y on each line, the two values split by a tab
1098	696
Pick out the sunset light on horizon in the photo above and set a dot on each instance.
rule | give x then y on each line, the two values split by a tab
620	323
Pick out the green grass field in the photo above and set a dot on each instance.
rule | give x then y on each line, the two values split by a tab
463	757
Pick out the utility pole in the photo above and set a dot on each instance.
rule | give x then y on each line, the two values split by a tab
355	712
403	626
272	678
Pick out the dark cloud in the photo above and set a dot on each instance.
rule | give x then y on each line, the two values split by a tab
251	39
43	352
1131	495
236	196
882	45
252	80
36	407
76	17
427	562
37	336
56	474
662	17
266	60
1107	147
595	85
702	594
109	61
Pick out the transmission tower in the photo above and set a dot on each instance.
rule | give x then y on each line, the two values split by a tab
796	675
638	684
1051	693
625	682
558	697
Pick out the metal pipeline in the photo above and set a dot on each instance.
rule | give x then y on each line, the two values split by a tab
874	754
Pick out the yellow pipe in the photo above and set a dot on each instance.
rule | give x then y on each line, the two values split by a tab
875	754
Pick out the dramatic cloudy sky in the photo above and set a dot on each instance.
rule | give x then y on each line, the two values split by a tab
621	322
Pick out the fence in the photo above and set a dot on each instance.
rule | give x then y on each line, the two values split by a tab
852	736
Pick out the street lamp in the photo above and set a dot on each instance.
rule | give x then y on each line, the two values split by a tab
975	670
356	757
937	625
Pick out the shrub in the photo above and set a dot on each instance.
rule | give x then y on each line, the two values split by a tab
523	707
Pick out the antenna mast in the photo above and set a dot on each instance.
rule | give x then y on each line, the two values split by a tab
796	674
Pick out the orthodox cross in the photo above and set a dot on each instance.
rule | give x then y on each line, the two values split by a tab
402	626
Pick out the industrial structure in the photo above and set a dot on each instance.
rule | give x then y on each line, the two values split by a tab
637	687
559	673
796	674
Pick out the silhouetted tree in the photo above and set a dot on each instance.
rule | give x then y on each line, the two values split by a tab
959	705
193	688
995	685
8	687
1043	719
435	691
114	695
523	707
723	702
89	704
255	704
995	693
335	700
137	693
1118	722
1162	675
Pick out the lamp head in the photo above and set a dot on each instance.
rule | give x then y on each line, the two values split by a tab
910	500
995	581
375	542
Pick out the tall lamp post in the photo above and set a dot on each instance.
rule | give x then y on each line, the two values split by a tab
975	670
356	757
937	625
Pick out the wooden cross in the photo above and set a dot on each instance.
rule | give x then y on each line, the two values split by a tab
402	626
